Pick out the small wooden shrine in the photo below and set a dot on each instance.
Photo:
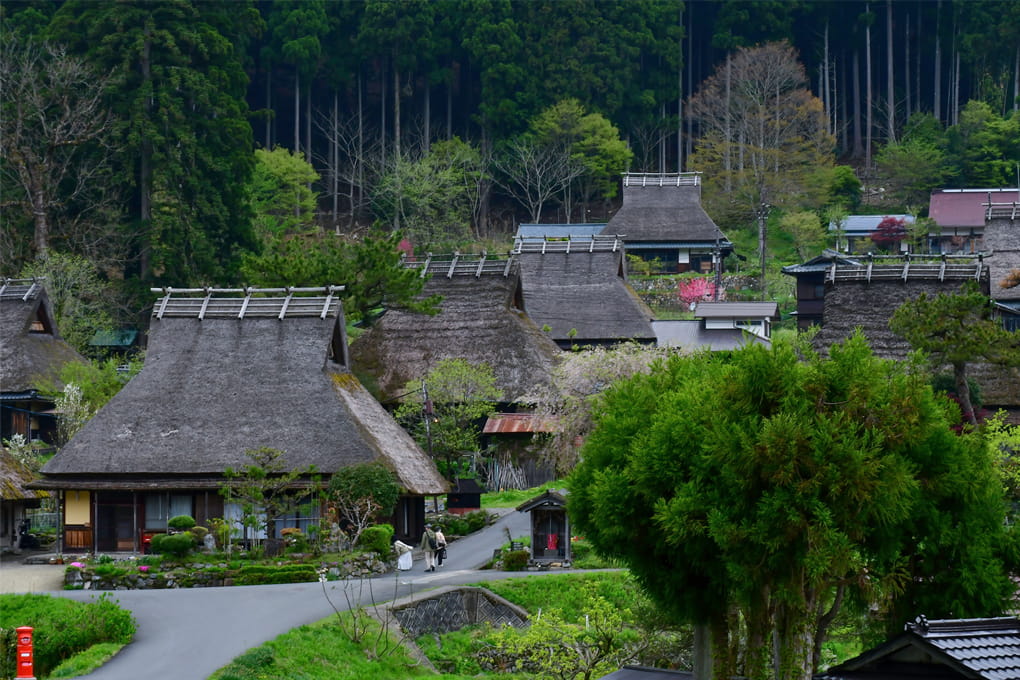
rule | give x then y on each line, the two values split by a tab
550	528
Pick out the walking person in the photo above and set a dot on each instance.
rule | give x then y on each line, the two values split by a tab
429	545
440	545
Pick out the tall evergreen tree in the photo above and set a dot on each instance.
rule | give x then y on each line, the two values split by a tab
184	140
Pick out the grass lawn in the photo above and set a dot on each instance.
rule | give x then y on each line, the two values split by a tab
511	498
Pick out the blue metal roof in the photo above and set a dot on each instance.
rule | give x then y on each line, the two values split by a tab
540	231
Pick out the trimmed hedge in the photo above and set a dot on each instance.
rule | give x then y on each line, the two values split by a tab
262	574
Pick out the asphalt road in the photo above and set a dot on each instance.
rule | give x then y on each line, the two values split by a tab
189	633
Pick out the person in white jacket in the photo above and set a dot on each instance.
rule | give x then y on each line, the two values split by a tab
404	559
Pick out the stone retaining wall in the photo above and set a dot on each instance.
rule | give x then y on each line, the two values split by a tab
453	607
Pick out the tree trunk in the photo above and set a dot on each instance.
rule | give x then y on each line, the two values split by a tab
906	65
937	85
890	72
427	142
308	124
867	94
858	142
361	153
334	154
41	238
297	110
728	132
267	140
1016	80
680	101
963	392
145	174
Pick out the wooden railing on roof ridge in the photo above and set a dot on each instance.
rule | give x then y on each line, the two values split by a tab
24	289
595	243
294	303
1010	211
661	179
908	268
462	265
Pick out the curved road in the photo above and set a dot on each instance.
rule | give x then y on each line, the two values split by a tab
187	634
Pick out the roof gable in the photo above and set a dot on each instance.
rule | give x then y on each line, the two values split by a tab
983	649
32	352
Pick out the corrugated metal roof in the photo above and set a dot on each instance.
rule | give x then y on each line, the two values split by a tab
518	423
736	310
865	224
964	207
540	231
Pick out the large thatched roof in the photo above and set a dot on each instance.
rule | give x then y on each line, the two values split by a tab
480	320
578	289
226	375
664	209
31	350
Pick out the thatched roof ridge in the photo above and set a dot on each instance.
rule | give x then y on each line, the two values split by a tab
583	297
663	211
31	349
213	388
479	320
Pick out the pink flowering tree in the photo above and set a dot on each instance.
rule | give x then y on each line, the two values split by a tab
697	290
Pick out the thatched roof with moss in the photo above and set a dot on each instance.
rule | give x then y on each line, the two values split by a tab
15	478
480	320
223	376
31	349
1002	242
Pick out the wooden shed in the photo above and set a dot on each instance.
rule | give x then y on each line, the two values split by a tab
550	528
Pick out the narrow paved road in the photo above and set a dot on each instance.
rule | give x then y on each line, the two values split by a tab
187	634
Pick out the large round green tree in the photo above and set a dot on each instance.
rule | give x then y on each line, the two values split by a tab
754	495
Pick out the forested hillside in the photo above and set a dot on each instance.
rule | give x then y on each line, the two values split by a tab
129	129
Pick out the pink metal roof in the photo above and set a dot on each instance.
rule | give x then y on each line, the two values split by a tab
964	207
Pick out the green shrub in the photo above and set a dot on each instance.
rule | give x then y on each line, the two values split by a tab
8	652
181	522
261	574
177	545
199	533
516	560
63	627
377	538
462	525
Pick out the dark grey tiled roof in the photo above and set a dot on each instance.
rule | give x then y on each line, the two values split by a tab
983	649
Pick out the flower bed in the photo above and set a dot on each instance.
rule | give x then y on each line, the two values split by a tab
131	574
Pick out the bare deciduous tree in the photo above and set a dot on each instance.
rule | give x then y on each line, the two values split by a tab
53	139
762	131
533	173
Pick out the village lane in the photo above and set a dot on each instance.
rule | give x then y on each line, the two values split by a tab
186	634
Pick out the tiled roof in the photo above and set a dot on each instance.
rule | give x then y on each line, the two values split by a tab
983	649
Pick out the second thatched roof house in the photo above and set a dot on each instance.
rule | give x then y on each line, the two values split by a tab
481	319
576	290
225	373
32	354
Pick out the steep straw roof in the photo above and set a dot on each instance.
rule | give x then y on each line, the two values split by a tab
31	350
480	320
577	288
663	208
216	386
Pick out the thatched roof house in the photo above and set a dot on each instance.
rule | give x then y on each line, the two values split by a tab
662	218
32	354
224	375
481	320
864	292
578	289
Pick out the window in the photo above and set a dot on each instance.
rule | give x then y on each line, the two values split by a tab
159	508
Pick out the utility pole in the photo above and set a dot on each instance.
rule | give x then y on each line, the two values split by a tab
717	265
762	213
